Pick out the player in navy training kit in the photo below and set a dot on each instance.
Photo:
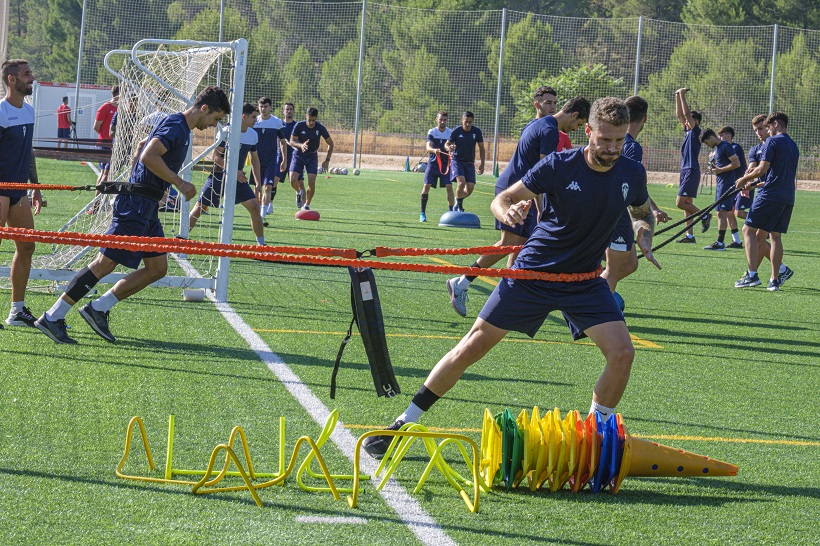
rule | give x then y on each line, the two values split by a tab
462	143
438	164
745	198
727	133
772	208
621	257
17	164
305	141
724	165
136	215
214	189
588	189
269	149
689	165
539	138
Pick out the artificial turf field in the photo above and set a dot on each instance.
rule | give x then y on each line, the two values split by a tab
724	372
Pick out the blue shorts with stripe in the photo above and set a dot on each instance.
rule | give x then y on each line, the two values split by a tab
460	168
771	216
212	192
744	203
433	176
134	216
689	182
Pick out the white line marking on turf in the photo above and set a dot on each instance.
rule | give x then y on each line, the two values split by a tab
406	507
331	520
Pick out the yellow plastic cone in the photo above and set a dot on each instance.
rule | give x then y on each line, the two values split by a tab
653	459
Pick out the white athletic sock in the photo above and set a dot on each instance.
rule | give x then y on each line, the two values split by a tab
736	237
105	302
411	414
270	207
463	282
264	211
17	307
59	310
752	273
603	410
690	236
260	240
782	268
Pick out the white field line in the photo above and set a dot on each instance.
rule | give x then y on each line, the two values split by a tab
406	507
330	520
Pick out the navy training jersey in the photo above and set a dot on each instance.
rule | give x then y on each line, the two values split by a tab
285	132
248	142
302	133
690	150
465	143
437	139
782	154
632	149
268	131
756	156
723	151
585	207
173	132
16	133
539	137
741	156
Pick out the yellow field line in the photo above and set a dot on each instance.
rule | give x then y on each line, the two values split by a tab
658	437
487	280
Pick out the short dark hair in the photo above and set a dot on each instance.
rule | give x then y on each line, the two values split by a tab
214	98
579	105
758	119
442	113
11	68
288	104
467	114
706	135
726	129
312	111
638	107
779	117
248	109
610	110
265	100
697	116
544	90
115	91
65	99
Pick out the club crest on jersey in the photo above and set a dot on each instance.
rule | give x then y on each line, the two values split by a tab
625	189
24	131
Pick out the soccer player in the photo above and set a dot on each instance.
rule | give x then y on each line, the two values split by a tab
689	166
727	133
286	152
267	128
588	189
17	164
63	124
102	126
438	164
724	167
745	198
772	208
538	139
136	215
214	189
462	143
305	140
621	256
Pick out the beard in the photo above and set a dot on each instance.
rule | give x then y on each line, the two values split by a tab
603	160
24	88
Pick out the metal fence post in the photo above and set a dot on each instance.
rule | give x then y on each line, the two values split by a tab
359	87
498	90
79	69
774	66
638	56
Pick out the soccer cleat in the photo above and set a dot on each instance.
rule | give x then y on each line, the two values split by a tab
98	320
705	222
717	245
774	285
786	275
458	297
54	329
747	281
23	318
734	245
376	446
422	217
687	240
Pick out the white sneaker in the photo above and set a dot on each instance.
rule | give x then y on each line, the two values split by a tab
458	296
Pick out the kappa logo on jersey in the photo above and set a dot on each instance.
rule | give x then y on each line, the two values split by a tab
620	240
573	186
625	189
460	136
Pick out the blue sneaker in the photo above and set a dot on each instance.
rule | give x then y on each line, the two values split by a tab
786	275
748	280
422	217
774	285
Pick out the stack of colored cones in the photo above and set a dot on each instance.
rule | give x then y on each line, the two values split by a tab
558	451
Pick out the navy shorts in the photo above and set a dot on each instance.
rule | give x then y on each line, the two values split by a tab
104	166
689	182
523	305
623	236
433	176
13	195
64	133
744	203
212	192
460	168
270	173
300	163
136	216
769	216
726	204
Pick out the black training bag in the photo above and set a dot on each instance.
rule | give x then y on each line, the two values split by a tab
367	315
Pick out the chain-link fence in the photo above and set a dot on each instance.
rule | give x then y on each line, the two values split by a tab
379	95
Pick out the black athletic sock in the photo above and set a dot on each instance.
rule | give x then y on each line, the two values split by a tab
425	398
82	283
450	209
272	193
424	197
469	277
721	235
460	202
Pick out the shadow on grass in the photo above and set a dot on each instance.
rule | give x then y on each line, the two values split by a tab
735	485
723	429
